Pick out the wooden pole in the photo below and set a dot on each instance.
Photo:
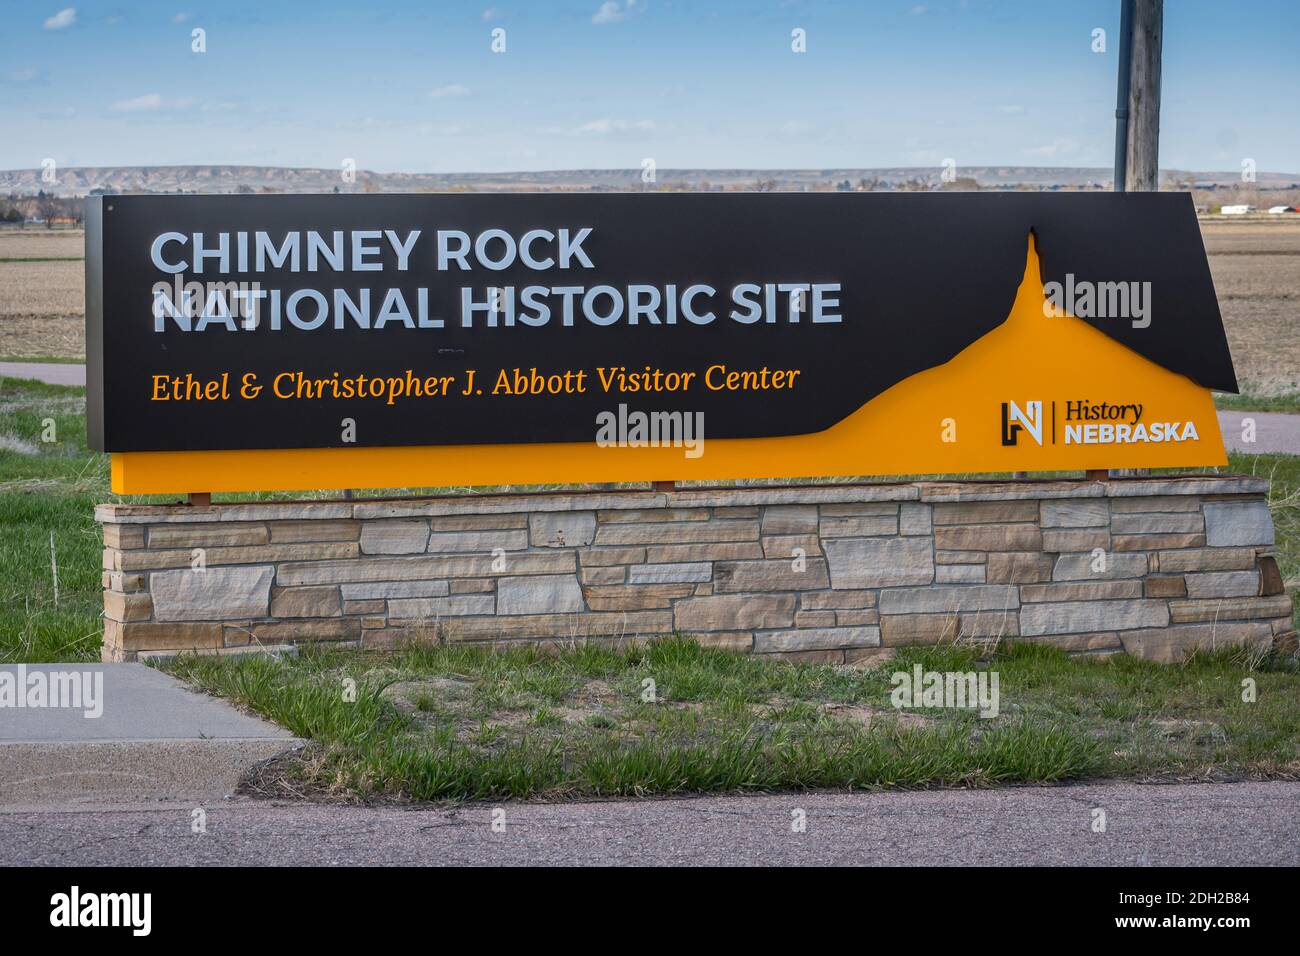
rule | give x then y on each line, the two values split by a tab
1142	153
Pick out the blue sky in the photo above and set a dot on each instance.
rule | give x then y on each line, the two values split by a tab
605	83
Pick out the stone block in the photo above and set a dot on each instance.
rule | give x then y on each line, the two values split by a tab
1207	559
814	618
489	522
1155	542
837	600
1173	523
605	557
816	639
481	542
1172	644
1149	503
1165	586
858	526
719	551
124	536
395	589
949	599
984	512
562	529
616	574
1222	584
1082	567
790	546
914	518
306	602
213	595
1081	591
155	636
643	515
897	630
1081	617
1019	567
857	563
394	536
789	520
635	597
1230	609
959	574
213	535
694	572
677	532
854	618
539	594
781	575
1075	513
294	632
297	532
989	537
457	605
121	606
1237	523
734	612
983	625
1075	539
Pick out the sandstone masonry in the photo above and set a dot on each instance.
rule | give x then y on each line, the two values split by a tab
835	573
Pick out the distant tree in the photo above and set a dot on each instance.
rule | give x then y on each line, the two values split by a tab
47	207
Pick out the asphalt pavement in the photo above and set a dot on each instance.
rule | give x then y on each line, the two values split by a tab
1107	823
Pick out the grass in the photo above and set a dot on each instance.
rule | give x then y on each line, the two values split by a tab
51	488
1288	402
45	359
454	723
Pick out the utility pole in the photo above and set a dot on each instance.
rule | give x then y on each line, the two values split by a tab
1137	102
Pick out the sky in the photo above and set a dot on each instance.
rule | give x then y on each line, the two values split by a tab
416	86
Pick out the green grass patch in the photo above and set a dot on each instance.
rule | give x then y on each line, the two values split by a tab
1289	402
453	723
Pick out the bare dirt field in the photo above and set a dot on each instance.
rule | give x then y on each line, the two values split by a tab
1255	262
1256	268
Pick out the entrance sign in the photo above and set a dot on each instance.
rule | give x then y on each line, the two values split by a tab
294	342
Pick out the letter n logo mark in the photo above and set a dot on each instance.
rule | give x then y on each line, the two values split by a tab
1014	420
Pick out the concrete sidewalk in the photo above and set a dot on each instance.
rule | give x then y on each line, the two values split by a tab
51	373
153	739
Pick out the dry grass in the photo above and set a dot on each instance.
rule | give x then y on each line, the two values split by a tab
42	244
42	289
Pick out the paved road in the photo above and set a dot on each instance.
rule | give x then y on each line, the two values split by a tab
1274	431
53	373
1201	824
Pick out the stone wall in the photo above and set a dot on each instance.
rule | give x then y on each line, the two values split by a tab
828	573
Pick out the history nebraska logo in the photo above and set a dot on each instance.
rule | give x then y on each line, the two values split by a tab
1029	419
1092	423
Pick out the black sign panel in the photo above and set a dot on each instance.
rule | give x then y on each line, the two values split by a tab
469	319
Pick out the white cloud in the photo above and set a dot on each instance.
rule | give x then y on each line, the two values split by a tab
182	18
62	20
1057	147
611	11
450	90
1011	109
618	128
138	104
489	13
25	75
